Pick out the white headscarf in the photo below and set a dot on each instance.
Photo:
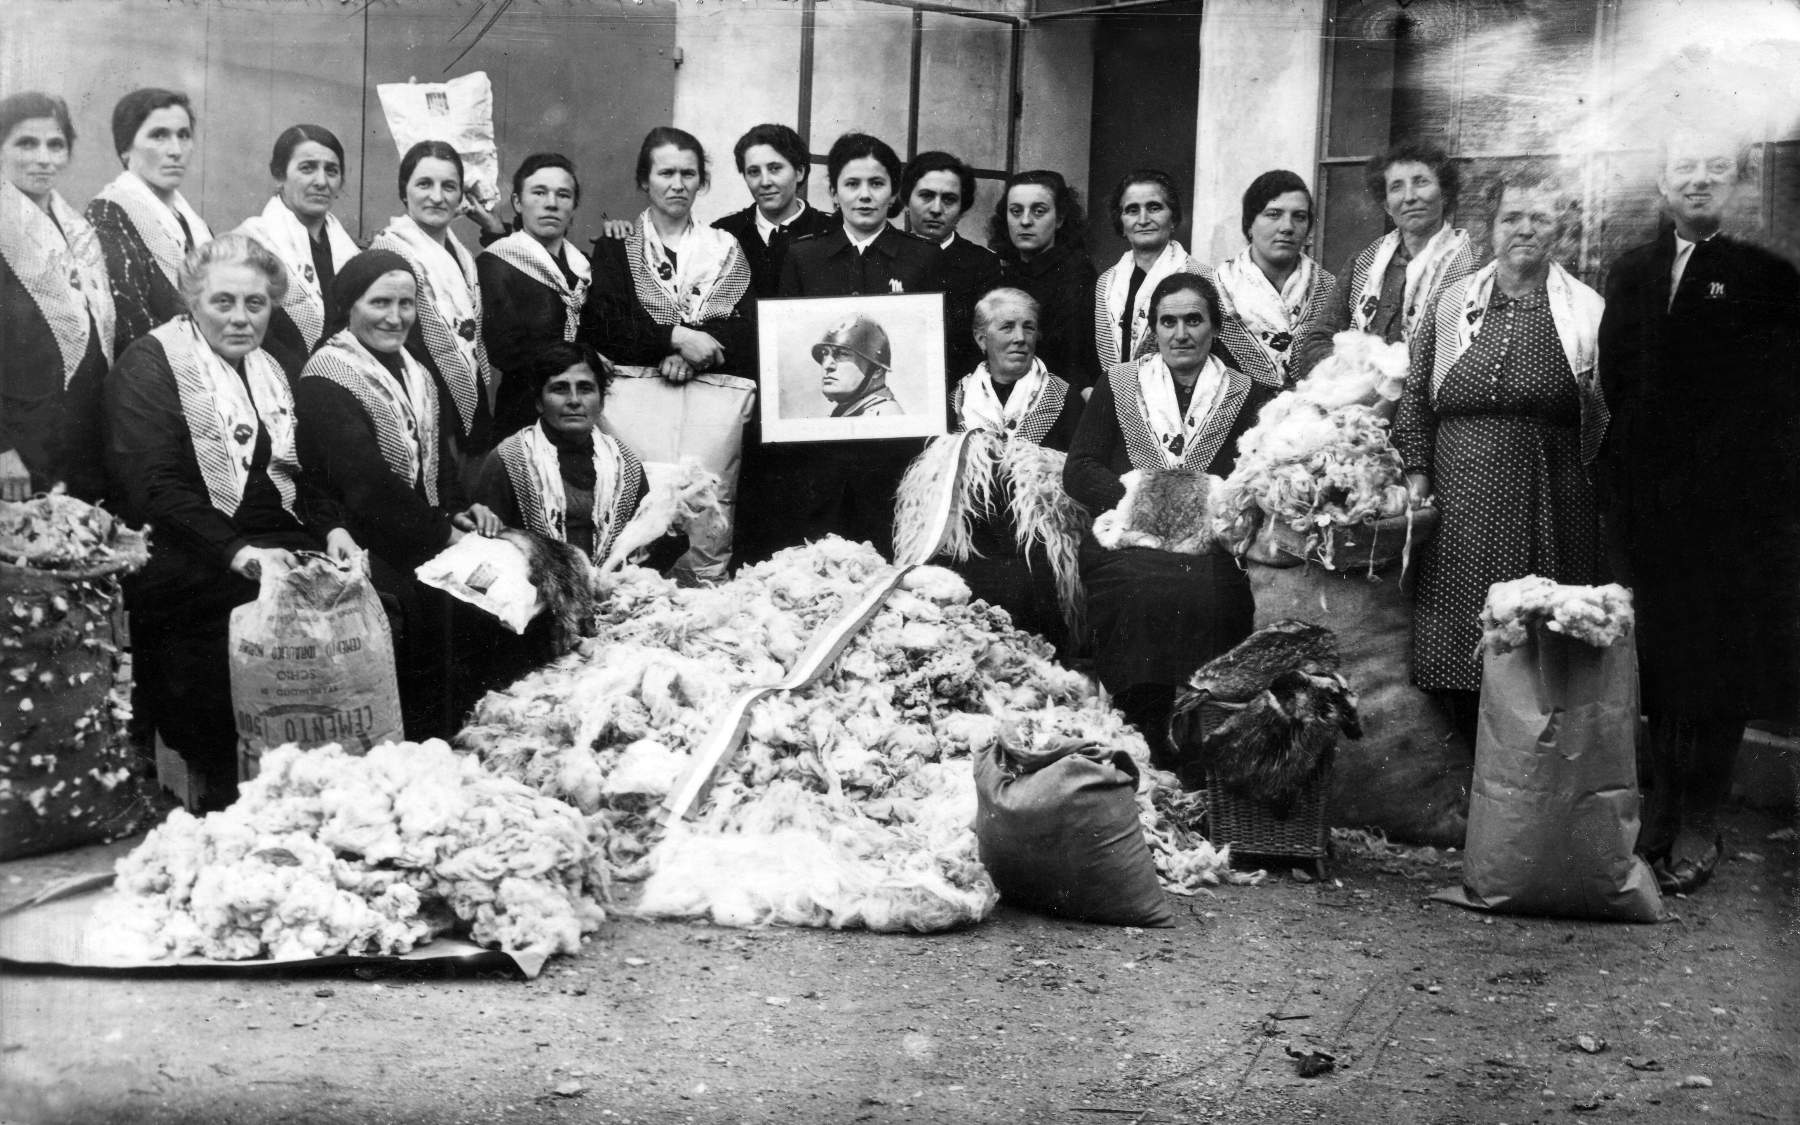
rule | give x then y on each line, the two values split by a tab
1447	251
982	408
529	256
156	223
1174	429
63	271
1113	287
706	281
223	411
279	229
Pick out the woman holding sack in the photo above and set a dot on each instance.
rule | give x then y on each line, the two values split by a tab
1037	232
201	446
1500	416
670	300
534	283
446	332
146	228
1156	615
1273	286
297	226
56	311
373	433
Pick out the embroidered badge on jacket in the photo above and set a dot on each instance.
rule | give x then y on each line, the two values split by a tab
1715	290
894	285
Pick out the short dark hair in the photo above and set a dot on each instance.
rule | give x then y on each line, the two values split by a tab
778	137
861	146
926	163
547	361
1268	187
434	150
1070	225
1165	182
537	162
683	141
128	116
1414	152
23	107
1192	283
293	137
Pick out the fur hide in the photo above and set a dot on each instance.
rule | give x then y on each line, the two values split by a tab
1253	664
565	584
1168	510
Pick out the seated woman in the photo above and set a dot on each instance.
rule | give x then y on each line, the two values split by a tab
1037	231
1028	570
1154	616
672	299
1146	209
446	330
370	431
201	446
144	225
534	283
297	226
56	311
1273	286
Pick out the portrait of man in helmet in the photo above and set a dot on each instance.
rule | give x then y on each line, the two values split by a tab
854	359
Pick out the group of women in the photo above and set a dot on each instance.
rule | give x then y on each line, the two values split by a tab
278	389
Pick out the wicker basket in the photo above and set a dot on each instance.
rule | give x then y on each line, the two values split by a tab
1248	826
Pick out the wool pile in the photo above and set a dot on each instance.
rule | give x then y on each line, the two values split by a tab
326	853
57	532
1595	615
851	801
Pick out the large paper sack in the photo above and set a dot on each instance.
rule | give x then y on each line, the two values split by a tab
490	574
1553	816
1409	773
312	662
1065	837
459	112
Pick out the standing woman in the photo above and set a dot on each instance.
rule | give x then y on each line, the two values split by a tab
774	163
1500	415
534	283
200	445
145	226
446	333
1273	286
1154	616
670	300
1037	230
372	432
297	226
56	311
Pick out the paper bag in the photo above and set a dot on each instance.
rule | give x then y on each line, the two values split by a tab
492	575
1553	814
312	662
459	112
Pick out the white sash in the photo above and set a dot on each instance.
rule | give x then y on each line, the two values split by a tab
449	291
982	408
155	223
710	279
223	413
529	256
406	426
279	229
63	271
1424	274
1111	292
1175	430
530	458
1272	317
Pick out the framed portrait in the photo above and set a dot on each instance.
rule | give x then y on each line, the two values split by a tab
852	368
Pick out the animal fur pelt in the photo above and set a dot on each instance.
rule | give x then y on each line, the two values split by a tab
993	470
1252	665
565	584
1166	510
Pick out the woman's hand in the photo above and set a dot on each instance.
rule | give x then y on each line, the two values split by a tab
340	545
697	347
620	229
675	369
485	219
478	518
249	562
1418	488
15	479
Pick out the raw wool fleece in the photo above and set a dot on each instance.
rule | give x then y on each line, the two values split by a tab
1165	510
992	470
867	773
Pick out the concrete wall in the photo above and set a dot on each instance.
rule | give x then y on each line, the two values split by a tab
1260	69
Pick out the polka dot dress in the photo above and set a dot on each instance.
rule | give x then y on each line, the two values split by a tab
1506	469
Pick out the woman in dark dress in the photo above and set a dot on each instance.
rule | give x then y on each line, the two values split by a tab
774	162
1500	411
534	283
297	226
145	226
1037	231
372	433
56	311
201	446
1154	616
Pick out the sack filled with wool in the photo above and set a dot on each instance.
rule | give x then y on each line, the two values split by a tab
1059	833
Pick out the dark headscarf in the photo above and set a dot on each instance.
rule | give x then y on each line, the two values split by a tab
354	279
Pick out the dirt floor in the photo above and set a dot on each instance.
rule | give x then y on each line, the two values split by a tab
1432	1013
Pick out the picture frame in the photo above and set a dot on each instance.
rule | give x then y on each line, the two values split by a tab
820	373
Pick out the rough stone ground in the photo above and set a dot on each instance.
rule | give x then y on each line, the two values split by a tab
1434	1014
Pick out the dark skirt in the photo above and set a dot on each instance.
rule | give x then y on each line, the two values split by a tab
1155	616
